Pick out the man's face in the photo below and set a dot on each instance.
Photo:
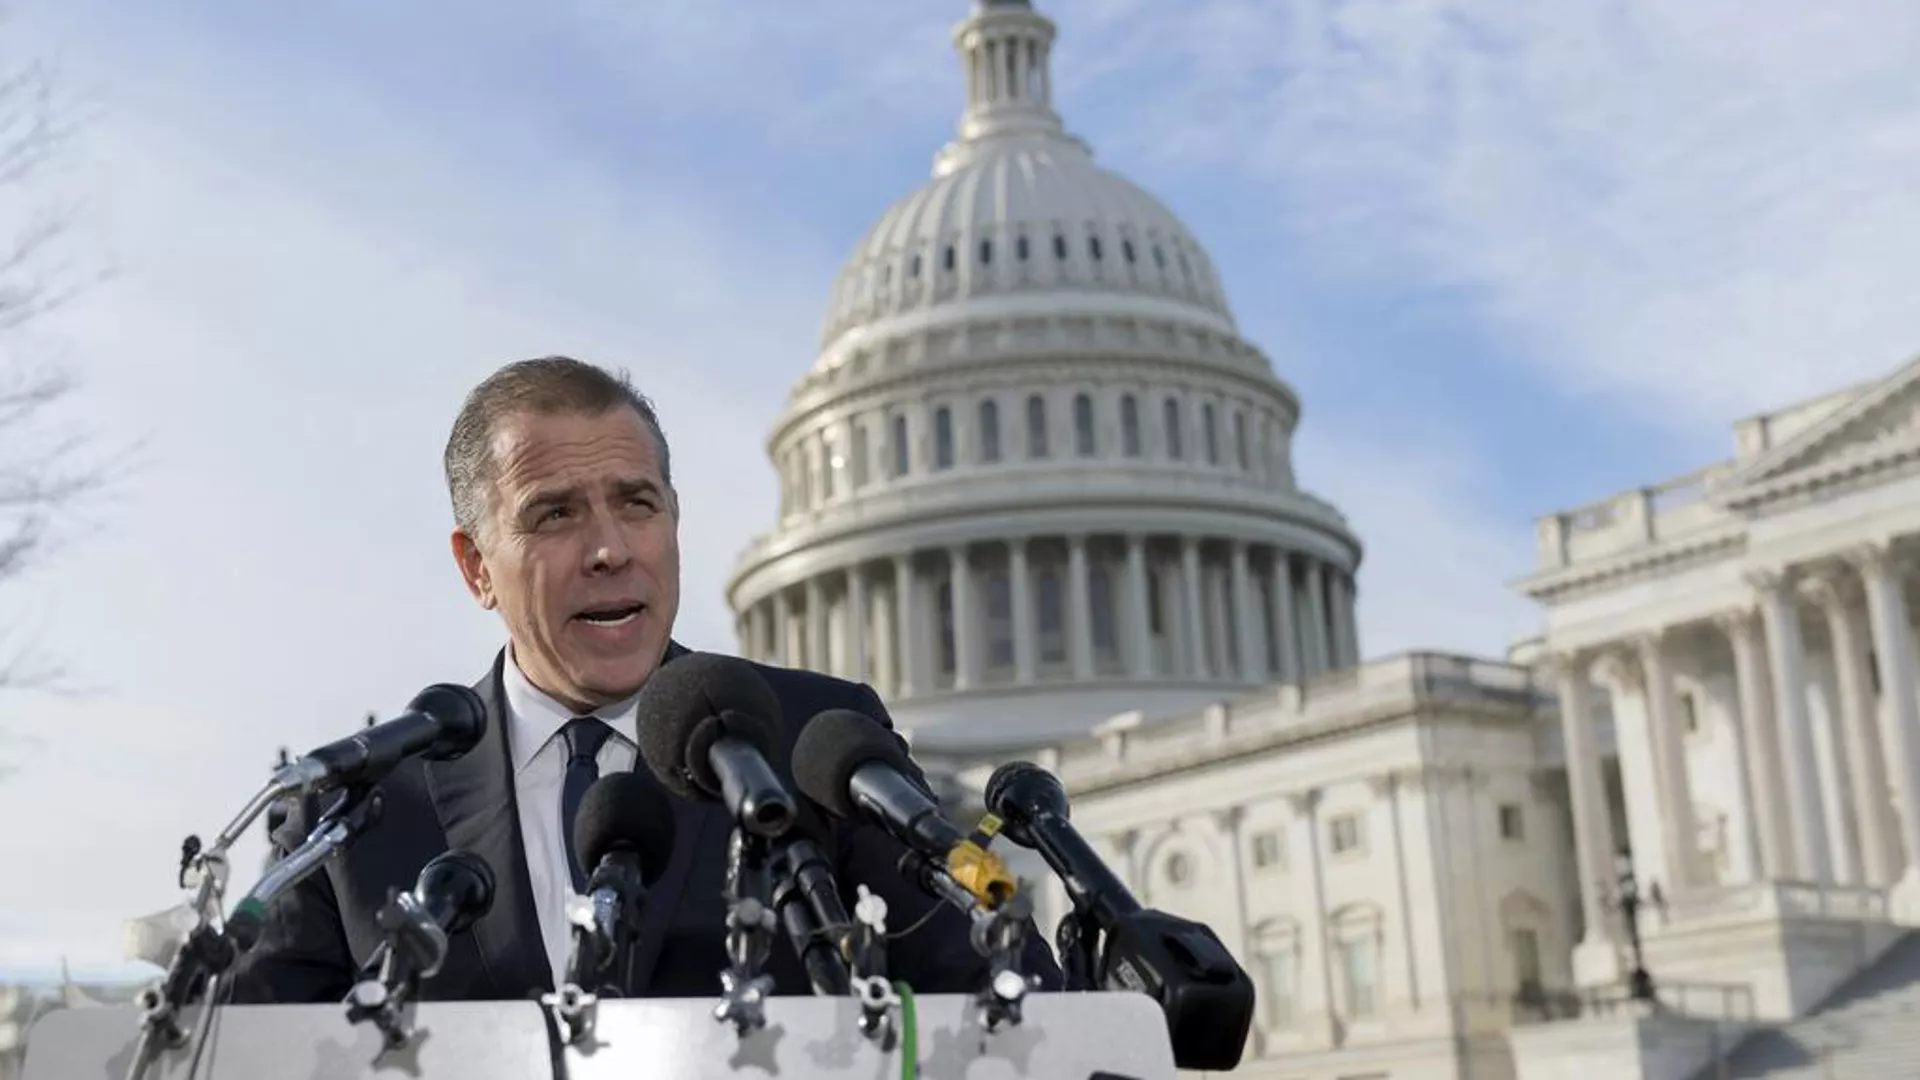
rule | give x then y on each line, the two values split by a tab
579	551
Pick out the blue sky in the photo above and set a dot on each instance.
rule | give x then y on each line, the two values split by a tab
1513	260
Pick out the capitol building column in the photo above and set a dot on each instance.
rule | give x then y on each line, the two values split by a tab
1315	645
1286	647
782	629
1079	609
910	672
1246	624
816	655
1596	959
1340	595
1893	645
1813	859
1193	631
964	623
1670	762
1020	594
859	669
1866	764
1760	741
1139	622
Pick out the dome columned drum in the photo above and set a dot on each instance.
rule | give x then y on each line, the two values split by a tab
1035	478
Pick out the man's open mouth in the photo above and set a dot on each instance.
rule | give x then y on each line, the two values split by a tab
612	614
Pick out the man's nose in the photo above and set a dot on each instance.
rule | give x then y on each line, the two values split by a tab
608	550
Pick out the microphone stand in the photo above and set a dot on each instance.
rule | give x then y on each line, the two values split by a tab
810	910
604	924
414	950
207	953
998	933
867	947
750	924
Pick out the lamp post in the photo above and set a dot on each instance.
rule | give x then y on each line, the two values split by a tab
1630	902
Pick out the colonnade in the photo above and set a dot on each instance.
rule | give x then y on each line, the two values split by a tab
1063	608
1825	783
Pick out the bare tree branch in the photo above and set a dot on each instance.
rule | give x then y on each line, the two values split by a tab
48	471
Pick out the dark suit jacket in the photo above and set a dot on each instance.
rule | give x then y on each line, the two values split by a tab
318	936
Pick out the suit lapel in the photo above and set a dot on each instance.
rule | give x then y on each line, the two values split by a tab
474	797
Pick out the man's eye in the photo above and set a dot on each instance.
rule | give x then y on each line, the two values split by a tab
556	513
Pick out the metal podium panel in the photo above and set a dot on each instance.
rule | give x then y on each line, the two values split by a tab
1063	1037
481	1039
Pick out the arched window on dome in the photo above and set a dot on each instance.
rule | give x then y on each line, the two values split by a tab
1209	433
1130	425
1175	447
901	458
859	455
989	431
947	258
1059	247
1126	249
986	252
1240	441
942	438
1159	257
1083	425
1036	427
913	266
1093	248
1020	248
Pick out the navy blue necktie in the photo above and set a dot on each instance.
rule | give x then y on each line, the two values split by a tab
584	736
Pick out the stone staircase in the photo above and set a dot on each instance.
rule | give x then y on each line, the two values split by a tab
1867	1029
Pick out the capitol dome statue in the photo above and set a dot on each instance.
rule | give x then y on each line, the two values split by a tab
1035	478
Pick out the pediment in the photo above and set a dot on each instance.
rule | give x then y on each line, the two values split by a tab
1882	421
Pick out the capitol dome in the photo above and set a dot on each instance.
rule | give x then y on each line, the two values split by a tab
1035	479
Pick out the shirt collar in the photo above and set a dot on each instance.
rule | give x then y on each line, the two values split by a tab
535	717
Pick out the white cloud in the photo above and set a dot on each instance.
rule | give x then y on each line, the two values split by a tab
1695	209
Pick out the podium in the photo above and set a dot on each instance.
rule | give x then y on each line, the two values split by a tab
1119	1036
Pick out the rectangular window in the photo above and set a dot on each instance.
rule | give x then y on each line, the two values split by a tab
1512	825
1269	848
1343	834
859	455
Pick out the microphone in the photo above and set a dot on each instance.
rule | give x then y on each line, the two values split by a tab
706	728
848	764
1204	994
441	723
624	830
454	891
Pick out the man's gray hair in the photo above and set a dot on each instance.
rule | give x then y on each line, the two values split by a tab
548	385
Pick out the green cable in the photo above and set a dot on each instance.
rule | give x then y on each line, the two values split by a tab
909	1034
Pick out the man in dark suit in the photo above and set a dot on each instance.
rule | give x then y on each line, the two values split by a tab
567	524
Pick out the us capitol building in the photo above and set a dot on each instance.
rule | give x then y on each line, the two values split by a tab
1037	490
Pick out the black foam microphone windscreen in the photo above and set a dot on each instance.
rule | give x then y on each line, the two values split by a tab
624	812
831	748
692	703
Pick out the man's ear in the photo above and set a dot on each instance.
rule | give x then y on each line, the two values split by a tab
473	568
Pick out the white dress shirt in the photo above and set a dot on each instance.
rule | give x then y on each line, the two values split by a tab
534	721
